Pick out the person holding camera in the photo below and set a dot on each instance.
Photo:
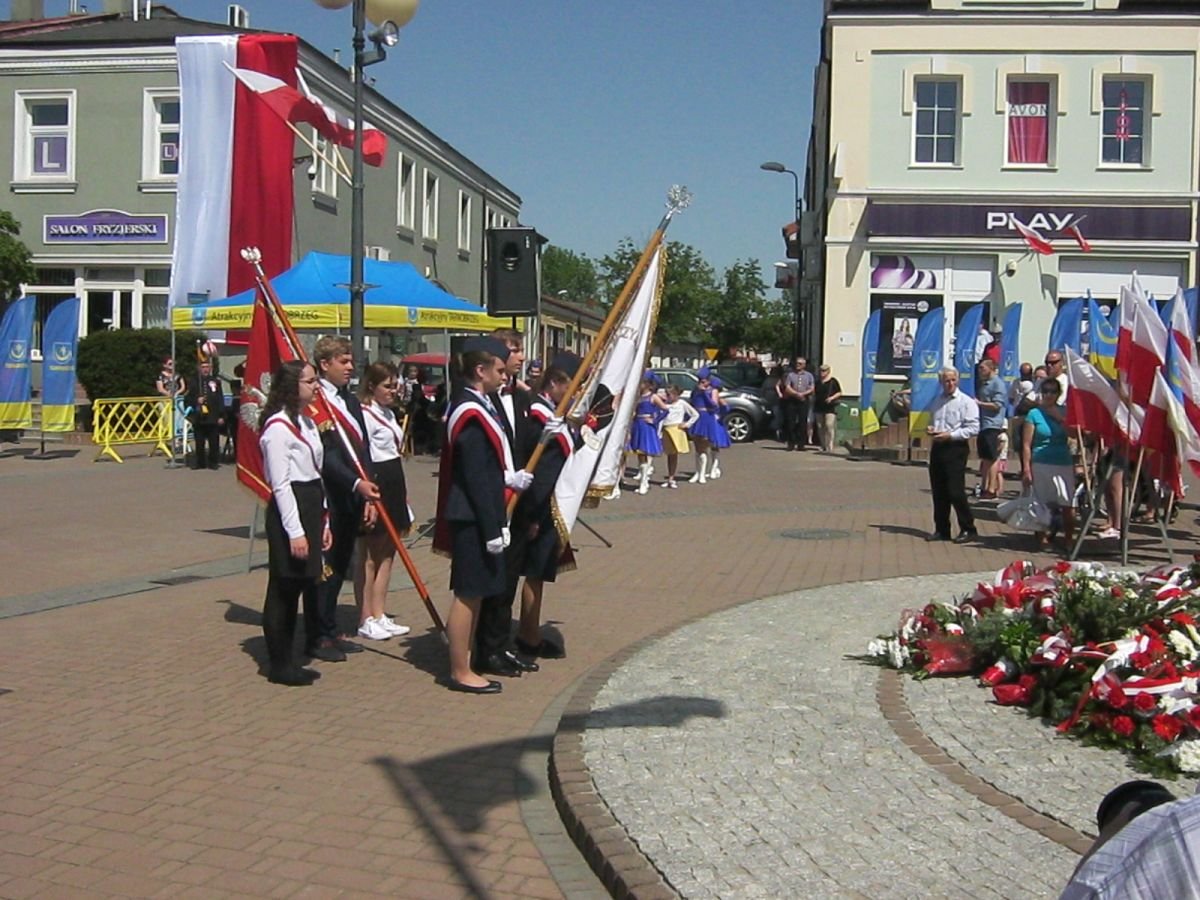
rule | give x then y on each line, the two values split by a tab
207	401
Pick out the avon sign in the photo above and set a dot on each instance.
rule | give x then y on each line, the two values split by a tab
105	226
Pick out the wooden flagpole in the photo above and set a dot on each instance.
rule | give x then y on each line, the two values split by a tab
252	256
678	198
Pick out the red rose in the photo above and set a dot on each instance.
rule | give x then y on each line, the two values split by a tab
1027	681
1100	720
1117	698
1167	727
1011	695
1144	702
1062	566
1122	725
1118	592
1169	670
1141	660
1193	715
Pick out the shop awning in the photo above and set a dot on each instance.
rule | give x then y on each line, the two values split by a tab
315	295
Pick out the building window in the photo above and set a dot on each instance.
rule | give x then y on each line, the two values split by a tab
160	130
1030	118
464	221
45	136
1123	131
406	196
429	207
326	178
935	126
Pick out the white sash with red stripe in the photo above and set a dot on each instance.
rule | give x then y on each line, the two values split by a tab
472	408
542	410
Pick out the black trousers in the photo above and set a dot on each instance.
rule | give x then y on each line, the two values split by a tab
795	421
279	616
948	483
321	622
208	445
494	629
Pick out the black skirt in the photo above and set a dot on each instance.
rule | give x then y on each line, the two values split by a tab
310	501
473	571
389	475
541	557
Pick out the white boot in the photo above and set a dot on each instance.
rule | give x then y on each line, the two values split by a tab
715	472
644	480
701	462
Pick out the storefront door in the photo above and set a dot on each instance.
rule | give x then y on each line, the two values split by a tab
108	308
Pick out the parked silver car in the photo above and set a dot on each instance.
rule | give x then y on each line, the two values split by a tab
748	416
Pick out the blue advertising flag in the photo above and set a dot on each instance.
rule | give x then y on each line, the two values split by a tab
1067	330
926	365
1102	343
60	340
870	356
1190	297
16	337
965	339
1010	345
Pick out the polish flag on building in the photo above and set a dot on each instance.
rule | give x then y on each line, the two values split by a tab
340	129
1073	231
1035	241
287	102
235	176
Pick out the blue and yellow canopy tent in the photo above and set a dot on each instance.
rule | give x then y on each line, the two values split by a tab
315	295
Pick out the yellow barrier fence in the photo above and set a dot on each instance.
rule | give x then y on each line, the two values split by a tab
132	420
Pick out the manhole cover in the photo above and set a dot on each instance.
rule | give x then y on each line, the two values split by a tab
814	534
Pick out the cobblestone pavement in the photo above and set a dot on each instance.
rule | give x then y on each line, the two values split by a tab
143	754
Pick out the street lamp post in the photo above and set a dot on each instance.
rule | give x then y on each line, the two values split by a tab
389	16
780	167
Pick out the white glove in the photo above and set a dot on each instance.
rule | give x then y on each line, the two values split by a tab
496	545
518	480
555	425
506	535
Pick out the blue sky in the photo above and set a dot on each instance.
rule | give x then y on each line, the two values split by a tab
591	109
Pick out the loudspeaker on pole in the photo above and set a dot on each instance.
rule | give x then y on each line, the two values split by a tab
514	284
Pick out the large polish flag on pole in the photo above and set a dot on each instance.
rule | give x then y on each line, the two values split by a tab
235	175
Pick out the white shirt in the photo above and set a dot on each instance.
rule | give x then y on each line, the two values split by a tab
680	413
288	458
384	433
957	414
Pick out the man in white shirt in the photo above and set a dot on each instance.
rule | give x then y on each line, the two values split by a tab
954	420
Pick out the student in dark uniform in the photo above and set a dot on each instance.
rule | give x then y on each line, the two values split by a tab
340	421
493	653
207	400
472	526
534	512
297	523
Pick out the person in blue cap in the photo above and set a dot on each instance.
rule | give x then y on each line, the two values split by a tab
643	433
706	432
723	440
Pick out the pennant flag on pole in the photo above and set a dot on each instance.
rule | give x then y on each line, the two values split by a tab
1074	232
1067	329
926	365
870	356
269	347
1094	406
60	341
284	100
1179	323
235	175
1102	346
1010	345
606	405
16	339
1033	240
964	347
340	129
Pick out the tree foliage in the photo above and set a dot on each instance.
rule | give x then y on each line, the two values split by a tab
689	286
566	270
16	267
742	317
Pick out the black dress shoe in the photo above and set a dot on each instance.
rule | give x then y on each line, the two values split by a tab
293	676
348	646
492	687
499	664
965	537
326	650
937	536
544	649
522	663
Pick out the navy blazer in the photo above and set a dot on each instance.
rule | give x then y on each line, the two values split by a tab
477	485
338	471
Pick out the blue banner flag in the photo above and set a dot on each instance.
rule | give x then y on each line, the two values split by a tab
60	340
1190	297
926	365
965	339
1010	345
870	356
1102	341
1067	330
16	338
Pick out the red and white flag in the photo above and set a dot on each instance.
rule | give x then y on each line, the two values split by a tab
235	175
1094	406
340	129
1159	436
287	102
1035	241
1074	232
1181	326
1146	348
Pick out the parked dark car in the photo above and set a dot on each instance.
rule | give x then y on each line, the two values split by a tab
748	416
740	373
